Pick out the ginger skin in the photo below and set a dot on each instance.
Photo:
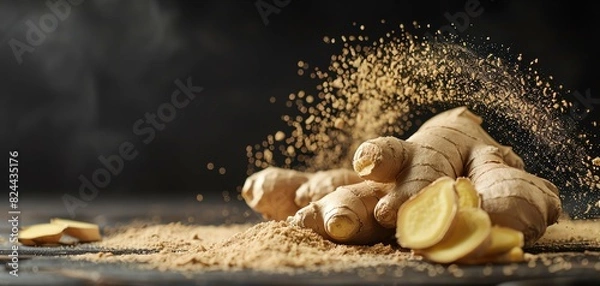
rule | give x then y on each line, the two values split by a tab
346	215
277	193
271	192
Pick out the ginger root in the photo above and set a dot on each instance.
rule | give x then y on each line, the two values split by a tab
451	144
271	192
277	193
346	215
322	183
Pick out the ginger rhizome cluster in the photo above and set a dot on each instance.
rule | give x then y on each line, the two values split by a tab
392	172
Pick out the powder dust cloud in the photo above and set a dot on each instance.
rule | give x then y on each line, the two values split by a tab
389	85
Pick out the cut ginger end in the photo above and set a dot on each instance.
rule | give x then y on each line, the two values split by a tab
425	218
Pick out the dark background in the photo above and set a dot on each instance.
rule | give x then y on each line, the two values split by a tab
76	96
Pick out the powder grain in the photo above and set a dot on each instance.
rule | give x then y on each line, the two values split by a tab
268	246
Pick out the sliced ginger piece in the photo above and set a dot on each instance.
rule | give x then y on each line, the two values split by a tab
83	231
514	254
44	233
467	195
424	219
470	235
503	240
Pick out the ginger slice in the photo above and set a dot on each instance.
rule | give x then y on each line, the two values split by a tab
514	254
424	219
467	195
83	231
504	239
470	235
44	233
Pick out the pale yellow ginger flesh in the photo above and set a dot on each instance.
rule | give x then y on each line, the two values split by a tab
469	236
83	231
470	239
51	233
39	234
467	195
424	219
515	254
503	240
505	246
